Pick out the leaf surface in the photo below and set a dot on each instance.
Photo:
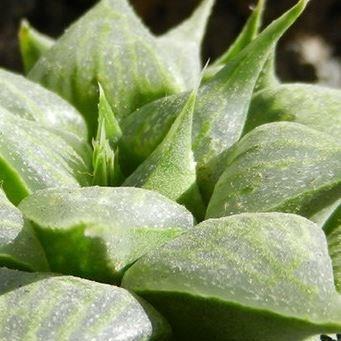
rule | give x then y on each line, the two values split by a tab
170	169
19	247
33	158
97	232
314	106
33	45
263	276
279	167
46	307
183	43
110	45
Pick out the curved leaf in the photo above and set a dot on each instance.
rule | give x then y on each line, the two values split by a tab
98	232
183	43
110	45
19	247
170	169
46	307
31	101
32	44
279	167
260	276
33	158
314	106
221	108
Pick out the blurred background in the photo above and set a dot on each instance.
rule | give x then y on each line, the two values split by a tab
310	52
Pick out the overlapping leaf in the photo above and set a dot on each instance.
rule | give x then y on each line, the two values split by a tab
279	167
98	232
33	45
221	108
314	106
260	276
19	247
33	158
170	169
69	308
110	45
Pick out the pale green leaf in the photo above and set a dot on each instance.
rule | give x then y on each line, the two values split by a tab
31	101
98	232
221	108
32	44
109	45
45	307
258	276
279	166
314	106
170	169
33	158
19	247
183	43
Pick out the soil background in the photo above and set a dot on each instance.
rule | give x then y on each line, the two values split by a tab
310	52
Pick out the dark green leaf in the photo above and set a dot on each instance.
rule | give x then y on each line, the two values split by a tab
279	167
19	247
44	307
98	232
258	276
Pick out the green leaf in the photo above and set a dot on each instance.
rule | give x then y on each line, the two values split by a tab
183	43
249	32
32	44
332	228
98	232
109	45
48	307
314	106
221	108
31	101
279	167
33	158
170	169
260	276
19	247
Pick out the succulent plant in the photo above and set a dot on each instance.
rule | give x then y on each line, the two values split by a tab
144	197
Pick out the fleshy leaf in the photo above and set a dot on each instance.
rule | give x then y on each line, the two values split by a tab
98	232
259	276
183	43
314	106
221	108
170	169
33	45
247	35
45	307
19	247
332	228
110	45
33	158
279	167
31	101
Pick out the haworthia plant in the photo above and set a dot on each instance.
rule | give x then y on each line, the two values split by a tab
279	167
221	109
69	308
98	232
19	247
261	276
170	153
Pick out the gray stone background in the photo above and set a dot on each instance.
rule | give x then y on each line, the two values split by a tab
310	52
